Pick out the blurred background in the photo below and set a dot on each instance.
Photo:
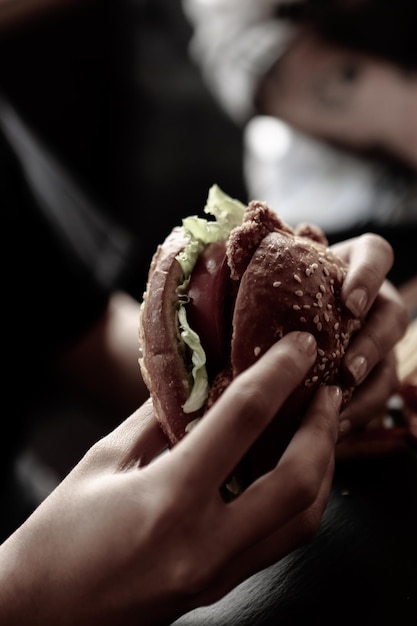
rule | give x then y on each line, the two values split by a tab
104	94
110	89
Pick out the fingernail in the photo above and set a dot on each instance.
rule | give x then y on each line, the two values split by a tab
357	301
336	395
308	342
344	427
357	367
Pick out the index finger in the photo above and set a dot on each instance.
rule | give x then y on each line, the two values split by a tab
370	258
239	416
299	477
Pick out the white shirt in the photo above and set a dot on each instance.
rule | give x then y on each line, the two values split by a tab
234	43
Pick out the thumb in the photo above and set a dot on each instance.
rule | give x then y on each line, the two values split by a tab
135	442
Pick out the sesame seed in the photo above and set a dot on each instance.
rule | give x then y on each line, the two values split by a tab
303	319
299	293
319	326
297	278
257	351
296	307
277	283
326	316
319	295
307	271
320	352
336	326
322	288
306	306
326	271
316	319
314	379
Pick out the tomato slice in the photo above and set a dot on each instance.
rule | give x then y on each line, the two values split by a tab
209	310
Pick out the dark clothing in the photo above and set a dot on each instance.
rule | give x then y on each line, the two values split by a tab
107	139
66	256
62	260
109	88
103	151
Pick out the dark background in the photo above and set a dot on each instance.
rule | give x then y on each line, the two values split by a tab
110	88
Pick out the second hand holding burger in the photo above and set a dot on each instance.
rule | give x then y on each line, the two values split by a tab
219	293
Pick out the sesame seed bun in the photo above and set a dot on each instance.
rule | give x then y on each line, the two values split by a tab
284	280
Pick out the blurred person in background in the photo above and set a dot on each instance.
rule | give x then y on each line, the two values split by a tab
325	92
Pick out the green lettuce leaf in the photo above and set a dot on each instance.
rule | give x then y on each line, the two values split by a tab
199	390
227	213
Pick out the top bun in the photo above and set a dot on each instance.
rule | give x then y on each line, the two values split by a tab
292	281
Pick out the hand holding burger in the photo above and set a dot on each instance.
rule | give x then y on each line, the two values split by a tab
108	519
221	292
91	553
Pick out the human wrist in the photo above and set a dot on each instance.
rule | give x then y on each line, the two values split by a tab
16	589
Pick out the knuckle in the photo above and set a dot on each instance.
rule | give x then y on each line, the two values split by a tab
191	573
253	400
307	487
254	405
100	454
402	317
389	325
189	564
386	378
376	347
377	242
326	422
393	308
379	259
310	524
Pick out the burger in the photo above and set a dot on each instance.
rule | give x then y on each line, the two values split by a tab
220	291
